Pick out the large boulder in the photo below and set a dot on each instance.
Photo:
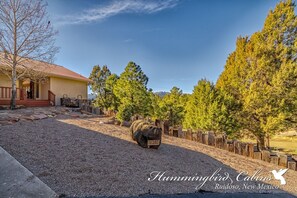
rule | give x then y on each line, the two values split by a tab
145	134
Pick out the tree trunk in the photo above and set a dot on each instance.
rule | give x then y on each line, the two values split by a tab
14	64
261	142
13	91
267	141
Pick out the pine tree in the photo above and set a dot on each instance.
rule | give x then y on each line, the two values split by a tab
98	86
155	110
255	73
171	107
209	109
109	88
131	90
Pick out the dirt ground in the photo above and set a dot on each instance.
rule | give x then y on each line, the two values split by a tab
85	157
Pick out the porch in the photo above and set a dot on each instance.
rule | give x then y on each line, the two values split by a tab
25	97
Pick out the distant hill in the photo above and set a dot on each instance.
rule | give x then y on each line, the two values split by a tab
161	93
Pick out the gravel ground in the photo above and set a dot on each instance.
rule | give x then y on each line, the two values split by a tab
85	157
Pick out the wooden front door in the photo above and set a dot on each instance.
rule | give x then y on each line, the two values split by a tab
30	92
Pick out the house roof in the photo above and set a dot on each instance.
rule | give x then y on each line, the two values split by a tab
51	70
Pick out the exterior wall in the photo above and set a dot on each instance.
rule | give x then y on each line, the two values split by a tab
43	90
6	82
72	88
59	86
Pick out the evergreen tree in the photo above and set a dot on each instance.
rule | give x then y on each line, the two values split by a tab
155	109
171	107
98	86
131	90
109	87
259	71
210	109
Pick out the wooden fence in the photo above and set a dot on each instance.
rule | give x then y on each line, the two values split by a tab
87	106
241	148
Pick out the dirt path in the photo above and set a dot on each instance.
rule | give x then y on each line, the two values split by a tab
84	157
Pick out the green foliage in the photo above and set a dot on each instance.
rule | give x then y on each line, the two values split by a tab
109	85
126	111
210	109
132	93
256	92
171	107
98	85
155	109
261	75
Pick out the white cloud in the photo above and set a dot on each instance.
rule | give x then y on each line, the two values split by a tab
128	40
118	7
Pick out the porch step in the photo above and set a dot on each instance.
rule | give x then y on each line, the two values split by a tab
37	103
28	103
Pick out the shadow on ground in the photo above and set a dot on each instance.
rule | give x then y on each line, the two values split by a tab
76	162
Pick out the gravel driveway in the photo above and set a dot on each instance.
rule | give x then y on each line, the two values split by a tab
85	157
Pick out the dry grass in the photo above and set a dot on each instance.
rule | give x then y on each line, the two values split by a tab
286	144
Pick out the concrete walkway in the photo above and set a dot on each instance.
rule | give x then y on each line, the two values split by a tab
18	182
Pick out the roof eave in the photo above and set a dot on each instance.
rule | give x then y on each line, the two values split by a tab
70	78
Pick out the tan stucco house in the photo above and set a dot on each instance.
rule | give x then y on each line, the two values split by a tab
58	82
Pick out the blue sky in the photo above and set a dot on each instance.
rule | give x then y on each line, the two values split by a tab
176	42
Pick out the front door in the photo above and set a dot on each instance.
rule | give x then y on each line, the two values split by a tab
31	91
29	87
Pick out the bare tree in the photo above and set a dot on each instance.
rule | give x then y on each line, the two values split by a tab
25	33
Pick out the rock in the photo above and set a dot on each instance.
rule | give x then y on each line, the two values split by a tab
85	112
3	123
75	115
28	118
110	121
13	118
117	122
125	124
3	116
39	116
